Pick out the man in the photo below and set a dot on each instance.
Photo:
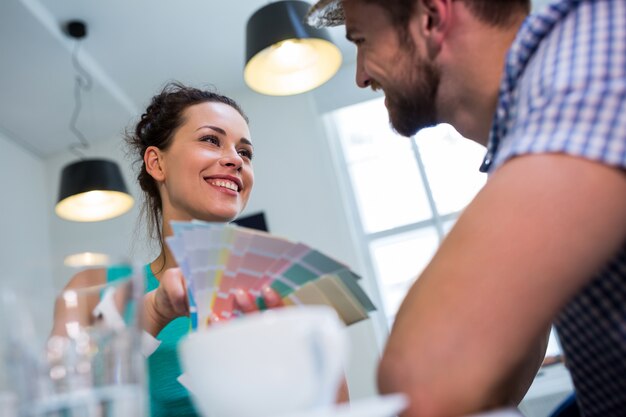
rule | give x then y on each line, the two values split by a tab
545	239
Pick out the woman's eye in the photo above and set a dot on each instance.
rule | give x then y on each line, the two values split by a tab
212	139
245	153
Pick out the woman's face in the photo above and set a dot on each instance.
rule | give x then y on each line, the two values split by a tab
206	172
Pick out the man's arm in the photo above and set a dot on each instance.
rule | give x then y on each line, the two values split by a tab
468	335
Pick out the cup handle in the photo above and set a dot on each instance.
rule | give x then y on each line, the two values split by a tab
329	349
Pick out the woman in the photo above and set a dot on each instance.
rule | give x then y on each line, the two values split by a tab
196	163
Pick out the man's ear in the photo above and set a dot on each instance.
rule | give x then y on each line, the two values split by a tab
432	20
152	158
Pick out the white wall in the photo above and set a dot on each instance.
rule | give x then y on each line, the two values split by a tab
341	90
295	186
119	237
24	234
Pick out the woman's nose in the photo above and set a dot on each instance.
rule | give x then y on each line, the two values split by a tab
231	158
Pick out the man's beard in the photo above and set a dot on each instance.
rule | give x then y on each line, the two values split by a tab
411	107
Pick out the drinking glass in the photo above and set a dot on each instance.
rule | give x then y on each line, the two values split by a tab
91	364
8	394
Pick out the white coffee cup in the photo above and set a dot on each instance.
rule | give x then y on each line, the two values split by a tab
266	364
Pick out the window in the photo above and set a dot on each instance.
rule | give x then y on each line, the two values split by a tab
407	193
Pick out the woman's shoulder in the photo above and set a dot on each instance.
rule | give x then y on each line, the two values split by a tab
87	278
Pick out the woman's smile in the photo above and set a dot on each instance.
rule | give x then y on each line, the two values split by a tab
228	184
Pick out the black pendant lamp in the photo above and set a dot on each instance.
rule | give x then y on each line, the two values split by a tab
284	55
91	189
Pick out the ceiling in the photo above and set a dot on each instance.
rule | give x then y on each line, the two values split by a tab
132	48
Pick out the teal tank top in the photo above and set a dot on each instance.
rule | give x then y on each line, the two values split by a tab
167	396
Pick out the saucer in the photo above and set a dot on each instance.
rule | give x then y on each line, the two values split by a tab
383	406
503	412
379	406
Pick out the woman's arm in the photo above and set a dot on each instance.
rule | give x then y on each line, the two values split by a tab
162	305
165	303
65	311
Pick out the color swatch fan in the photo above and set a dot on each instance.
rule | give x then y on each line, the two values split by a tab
216	259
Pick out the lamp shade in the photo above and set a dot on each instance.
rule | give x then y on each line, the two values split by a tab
284	55
79	260
92	190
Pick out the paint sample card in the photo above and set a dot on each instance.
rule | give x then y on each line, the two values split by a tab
219	259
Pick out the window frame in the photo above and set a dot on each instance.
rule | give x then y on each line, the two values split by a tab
363	240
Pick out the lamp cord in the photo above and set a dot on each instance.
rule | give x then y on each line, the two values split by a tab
82	81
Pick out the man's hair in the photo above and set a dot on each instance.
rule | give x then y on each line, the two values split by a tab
497	12
492	12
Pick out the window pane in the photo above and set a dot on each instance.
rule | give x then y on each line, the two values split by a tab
399	260
451	164
447	226
554	345
387	184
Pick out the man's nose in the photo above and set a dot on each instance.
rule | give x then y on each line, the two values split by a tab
363	79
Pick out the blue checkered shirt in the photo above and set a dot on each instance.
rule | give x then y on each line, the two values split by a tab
564	91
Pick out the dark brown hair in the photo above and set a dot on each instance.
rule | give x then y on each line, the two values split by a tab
492	12
498	12
157	127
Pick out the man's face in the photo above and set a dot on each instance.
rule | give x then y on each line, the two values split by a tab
394	63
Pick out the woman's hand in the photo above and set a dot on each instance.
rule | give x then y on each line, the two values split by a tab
167	302
246	302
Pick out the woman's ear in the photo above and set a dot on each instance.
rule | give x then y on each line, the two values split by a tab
152	158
